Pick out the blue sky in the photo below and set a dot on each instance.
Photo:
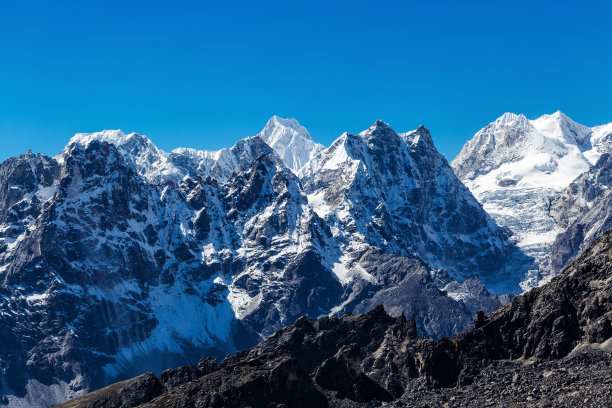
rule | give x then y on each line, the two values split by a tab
205	74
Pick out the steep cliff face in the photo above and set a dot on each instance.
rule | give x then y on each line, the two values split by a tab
551	345
117	257
583	209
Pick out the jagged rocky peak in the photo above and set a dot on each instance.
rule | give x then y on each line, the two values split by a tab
291	141
381	133
378	127
116	137
137	150
493	145
134	147
510	118
421	135
220	164
414	202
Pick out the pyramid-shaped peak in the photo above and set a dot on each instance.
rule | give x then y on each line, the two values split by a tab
290	140
422	129
419	136
559	117
379	124
559	114
287	122
560	126
277	125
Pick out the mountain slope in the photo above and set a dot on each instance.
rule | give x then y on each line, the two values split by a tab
515	167
550	346
98	272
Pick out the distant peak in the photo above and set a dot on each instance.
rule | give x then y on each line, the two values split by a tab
276	122
557	115
290	140
560	126
288	122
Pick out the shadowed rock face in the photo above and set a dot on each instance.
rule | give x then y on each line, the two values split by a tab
583	210
563	329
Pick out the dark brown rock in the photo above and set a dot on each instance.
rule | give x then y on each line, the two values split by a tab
267	380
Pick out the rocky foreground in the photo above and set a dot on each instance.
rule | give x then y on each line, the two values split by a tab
549	347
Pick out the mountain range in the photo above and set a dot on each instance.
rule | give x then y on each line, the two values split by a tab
117	257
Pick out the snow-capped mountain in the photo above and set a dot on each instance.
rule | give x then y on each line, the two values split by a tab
396	192
117	257
291	141
516	166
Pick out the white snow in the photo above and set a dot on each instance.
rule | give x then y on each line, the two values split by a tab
36	297
291	141
515	166
347	271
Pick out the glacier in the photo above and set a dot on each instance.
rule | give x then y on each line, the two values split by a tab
516	167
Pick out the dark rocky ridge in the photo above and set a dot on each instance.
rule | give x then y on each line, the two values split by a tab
549	347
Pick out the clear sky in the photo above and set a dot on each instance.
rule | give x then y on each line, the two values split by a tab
206	74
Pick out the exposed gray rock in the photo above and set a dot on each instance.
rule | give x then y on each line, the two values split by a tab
583	209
